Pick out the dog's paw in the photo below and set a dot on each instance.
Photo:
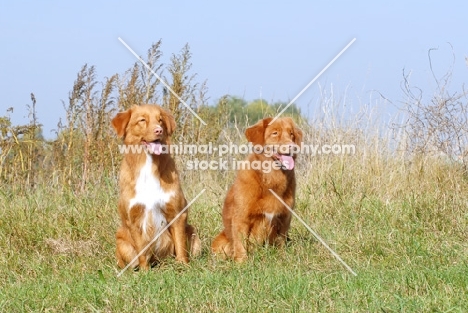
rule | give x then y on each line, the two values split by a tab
241	258
183	260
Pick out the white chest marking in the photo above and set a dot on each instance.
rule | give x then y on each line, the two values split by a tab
269	216
149	193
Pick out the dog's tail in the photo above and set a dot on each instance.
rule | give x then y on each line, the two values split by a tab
194	241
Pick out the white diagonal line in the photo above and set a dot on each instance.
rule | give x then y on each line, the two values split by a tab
315	234
160	233
162	81
313	80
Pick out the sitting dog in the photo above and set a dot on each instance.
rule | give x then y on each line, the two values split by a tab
150	191
251	212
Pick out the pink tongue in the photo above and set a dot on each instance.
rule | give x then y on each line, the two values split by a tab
287	161
155	147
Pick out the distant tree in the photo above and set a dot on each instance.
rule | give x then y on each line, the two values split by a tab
292	111
245	113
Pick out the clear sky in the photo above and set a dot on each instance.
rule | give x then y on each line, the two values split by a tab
252	49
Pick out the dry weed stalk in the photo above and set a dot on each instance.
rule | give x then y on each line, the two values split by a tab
437	126
21	148
85	150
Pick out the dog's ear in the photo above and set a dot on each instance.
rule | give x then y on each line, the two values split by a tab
256	133
297	132
297	136
120	122
169	121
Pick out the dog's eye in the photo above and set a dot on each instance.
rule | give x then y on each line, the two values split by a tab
142	120
274	133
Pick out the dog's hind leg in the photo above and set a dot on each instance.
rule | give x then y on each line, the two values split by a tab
125	251
221	245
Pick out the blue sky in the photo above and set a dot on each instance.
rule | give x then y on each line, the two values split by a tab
252	49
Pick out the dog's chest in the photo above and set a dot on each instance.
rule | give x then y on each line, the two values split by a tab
149	193
269	216
277	181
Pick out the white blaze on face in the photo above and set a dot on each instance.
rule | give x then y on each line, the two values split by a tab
148	192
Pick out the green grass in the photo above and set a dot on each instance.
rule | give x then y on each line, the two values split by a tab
405	237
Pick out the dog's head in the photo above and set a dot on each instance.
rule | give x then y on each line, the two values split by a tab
146	124
280	139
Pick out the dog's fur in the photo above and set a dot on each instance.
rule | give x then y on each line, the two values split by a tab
150	191
251	212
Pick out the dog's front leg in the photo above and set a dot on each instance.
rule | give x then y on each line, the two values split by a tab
179	236
282	236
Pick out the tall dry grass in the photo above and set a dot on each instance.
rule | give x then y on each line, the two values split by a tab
84	151
395	213
390	155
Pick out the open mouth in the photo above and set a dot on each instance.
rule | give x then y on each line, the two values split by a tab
286	160
153	147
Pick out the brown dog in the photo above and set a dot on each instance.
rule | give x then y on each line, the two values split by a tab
251	212
150	191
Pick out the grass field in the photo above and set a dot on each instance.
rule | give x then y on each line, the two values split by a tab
400	225
396	210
